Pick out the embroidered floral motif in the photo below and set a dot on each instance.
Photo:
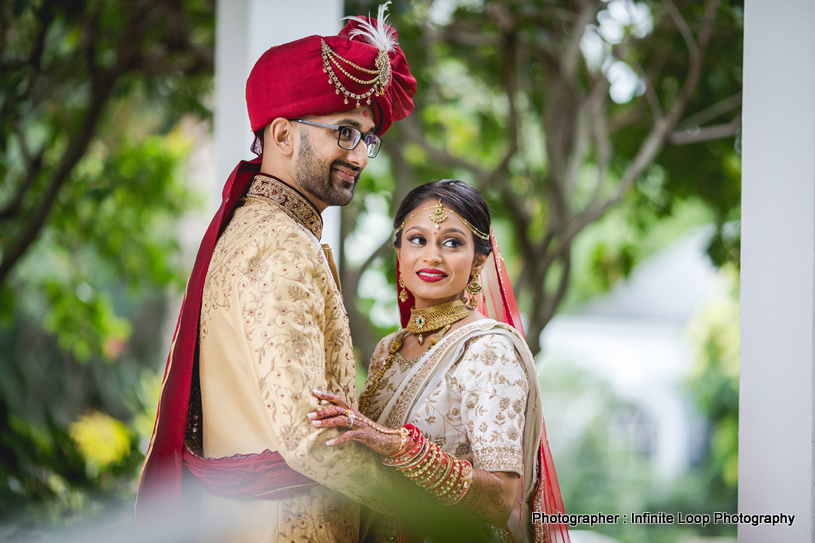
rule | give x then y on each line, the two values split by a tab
296	293
474	406
462	449
404	365
502	458
273	328
488	357
289	437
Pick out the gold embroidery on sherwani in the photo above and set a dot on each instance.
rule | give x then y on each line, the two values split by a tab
273	191
272	329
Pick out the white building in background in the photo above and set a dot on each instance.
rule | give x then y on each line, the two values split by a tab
635	339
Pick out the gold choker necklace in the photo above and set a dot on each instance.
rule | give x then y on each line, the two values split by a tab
435	317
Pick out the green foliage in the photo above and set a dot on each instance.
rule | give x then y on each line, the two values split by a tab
520	99
608	249
600	469
102	440
714	382
96	104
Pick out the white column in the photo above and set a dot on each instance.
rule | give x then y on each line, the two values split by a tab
244	30
778	268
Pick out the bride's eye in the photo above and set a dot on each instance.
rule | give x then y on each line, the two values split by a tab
452	243
416	240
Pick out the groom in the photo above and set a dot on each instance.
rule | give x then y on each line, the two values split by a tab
263	322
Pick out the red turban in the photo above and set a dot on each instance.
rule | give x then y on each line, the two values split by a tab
305	77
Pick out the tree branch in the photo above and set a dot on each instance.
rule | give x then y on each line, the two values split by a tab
662	127
509	76
706	133
708	114
101	89
436	153
680	23
650	91
695	54
552	302
571	53
33	170
598	102
76	149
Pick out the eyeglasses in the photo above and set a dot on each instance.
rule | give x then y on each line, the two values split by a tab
349	137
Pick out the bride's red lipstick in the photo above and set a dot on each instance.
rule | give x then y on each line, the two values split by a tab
431	275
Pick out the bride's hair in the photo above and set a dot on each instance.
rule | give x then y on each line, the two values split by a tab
458	196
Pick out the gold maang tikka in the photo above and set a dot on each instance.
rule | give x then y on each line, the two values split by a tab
438	216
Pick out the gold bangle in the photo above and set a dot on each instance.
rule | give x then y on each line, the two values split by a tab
443	478
404	435
416	460
452	483
467	478
405	458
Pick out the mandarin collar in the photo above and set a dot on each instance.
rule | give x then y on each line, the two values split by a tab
271	189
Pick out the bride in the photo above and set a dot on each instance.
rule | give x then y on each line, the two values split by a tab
455	394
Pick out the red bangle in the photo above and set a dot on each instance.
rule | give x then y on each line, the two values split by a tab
412	446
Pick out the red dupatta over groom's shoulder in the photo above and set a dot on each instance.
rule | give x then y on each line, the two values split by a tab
161	477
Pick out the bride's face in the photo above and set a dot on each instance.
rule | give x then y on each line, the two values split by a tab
436	260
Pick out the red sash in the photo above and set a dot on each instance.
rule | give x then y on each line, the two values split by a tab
264	476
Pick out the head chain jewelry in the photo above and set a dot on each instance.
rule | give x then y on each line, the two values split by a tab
382	74
438	217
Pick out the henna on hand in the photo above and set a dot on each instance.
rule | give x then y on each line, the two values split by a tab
357	427
490	495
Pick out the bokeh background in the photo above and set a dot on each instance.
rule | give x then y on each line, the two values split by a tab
605	136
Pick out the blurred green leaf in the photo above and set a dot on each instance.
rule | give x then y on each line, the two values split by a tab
101	105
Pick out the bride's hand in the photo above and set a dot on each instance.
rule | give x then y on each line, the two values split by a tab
357	426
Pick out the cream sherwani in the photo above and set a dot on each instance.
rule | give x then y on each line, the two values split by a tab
272	329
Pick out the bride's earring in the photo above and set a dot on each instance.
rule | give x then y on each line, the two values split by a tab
474	289
403	296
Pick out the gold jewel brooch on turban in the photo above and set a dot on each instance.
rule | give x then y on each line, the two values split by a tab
379	36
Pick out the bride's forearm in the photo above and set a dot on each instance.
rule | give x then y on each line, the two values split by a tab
487	495
491	496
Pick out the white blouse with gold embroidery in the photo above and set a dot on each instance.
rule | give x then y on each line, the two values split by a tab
478	407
